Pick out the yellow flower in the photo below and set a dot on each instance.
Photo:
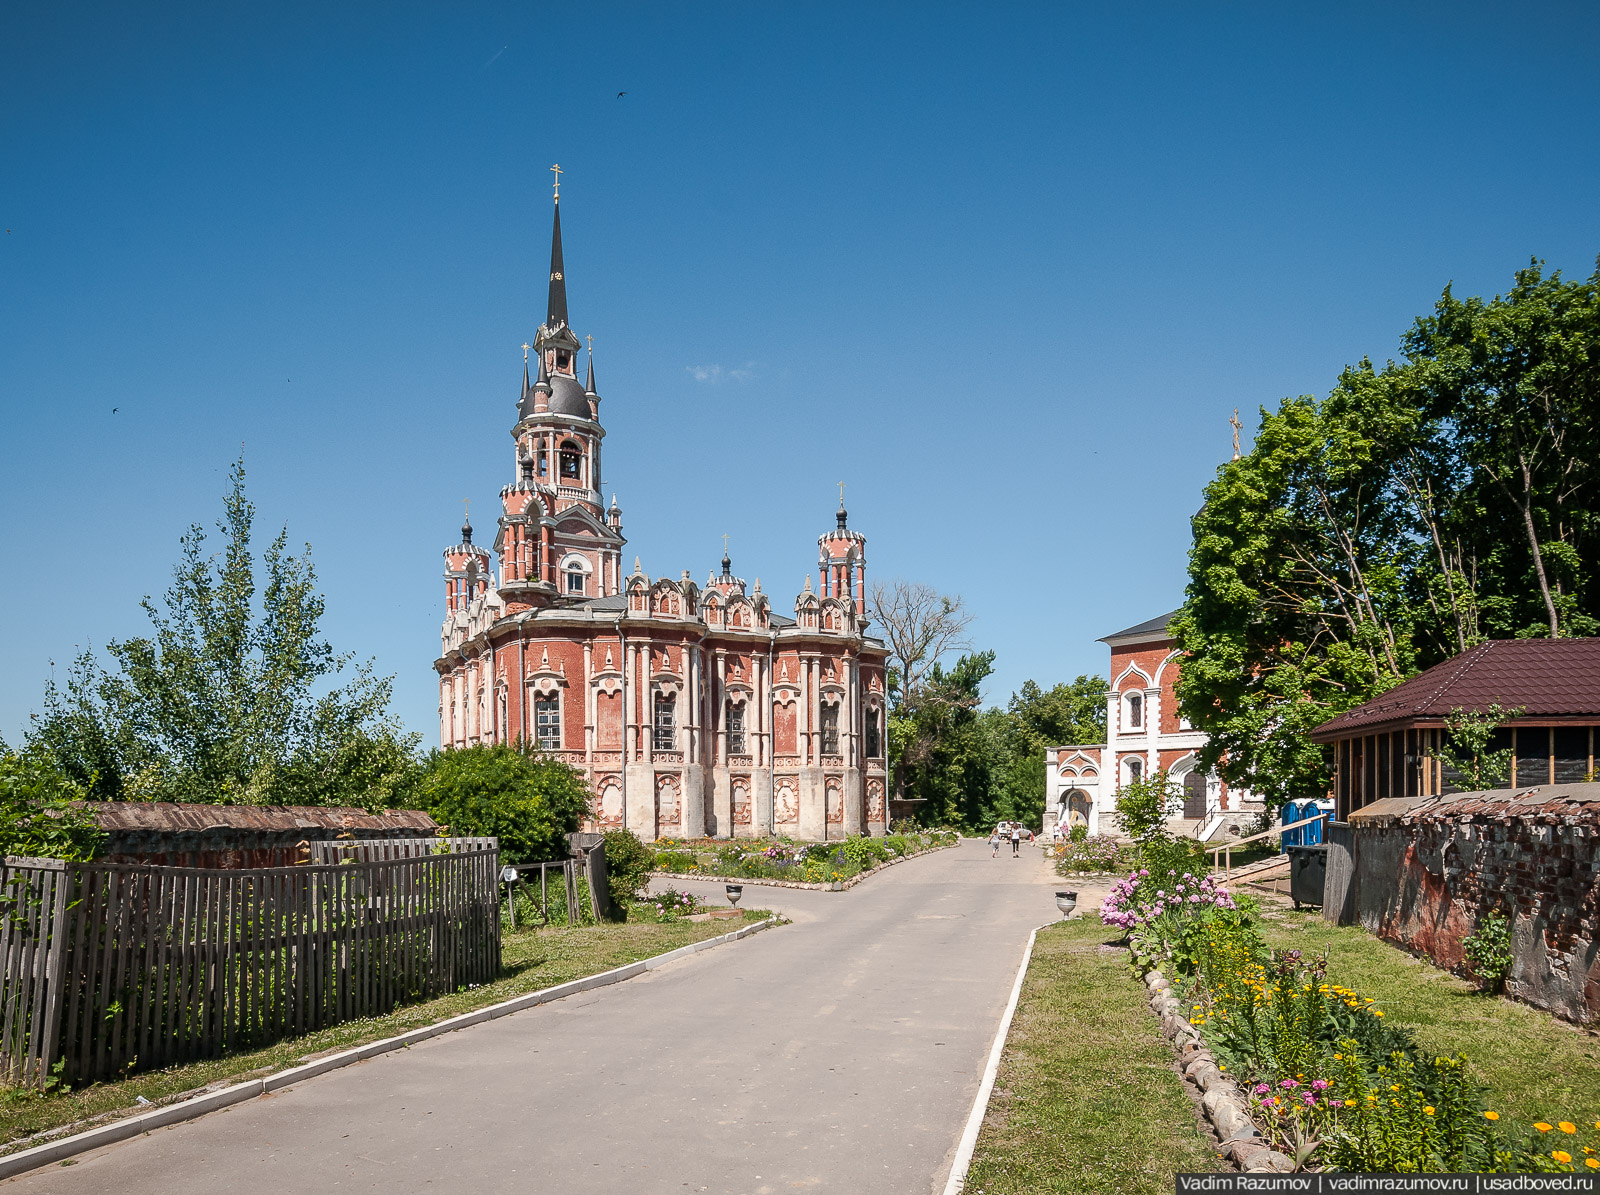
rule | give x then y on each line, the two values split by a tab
1338	1057
1566	1126
1349	1103
1491	1116
1377	1012
1542	1127
1428	1108
1561	1156
1591	1163
1394	1087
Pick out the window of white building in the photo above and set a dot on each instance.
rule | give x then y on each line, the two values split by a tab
1135	711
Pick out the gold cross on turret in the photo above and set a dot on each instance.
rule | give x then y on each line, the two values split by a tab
466	509
590	339
724	543
1234	422
556	169
841	493
525	347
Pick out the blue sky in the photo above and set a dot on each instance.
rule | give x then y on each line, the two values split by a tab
1004	269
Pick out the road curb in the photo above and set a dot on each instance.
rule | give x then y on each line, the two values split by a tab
24	1160
969	1138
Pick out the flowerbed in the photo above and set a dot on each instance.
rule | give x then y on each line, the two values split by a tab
795	862
1093	853
1324	1079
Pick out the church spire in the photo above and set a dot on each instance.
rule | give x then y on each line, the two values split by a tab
557	316
589	386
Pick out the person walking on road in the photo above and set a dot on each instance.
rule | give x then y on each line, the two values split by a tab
994	843
1016	842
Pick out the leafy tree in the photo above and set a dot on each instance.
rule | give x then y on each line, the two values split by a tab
42	812
527	800
943	748
1468	747
1417	509
234	697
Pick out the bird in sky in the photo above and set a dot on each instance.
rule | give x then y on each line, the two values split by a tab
620	94
114	410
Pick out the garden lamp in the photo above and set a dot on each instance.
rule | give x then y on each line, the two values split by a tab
1066	901
735	891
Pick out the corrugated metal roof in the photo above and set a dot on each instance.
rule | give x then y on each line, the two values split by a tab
1547	677
165	817
1552	801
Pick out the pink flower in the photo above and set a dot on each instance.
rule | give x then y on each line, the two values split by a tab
1319	1084
1262	1089
1289	1083
1311	1100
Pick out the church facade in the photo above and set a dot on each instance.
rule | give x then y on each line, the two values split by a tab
691	710
1145	734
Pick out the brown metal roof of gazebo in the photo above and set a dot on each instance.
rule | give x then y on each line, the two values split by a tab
1547	678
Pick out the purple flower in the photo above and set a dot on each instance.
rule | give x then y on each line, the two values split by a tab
1319	1084
1289	1083
1311	1100
1262	1089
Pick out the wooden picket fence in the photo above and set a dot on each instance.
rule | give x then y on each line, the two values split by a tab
121	967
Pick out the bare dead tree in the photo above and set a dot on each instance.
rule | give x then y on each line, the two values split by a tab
921	625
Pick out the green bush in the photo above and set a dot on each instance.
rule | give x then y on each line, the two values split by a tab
527	800
37	814
1488	951
1162	855
1145	804
675	861
629	863
1078	833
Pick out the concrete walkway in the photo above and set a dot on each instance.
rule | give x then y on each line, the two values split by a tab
841	1053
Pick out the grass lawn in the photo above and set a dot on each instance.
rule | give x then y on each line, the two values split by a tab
532	959
1087	1100
1535	1066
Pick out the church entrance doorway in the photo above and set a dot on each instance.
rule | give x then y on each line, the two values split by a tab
1194	795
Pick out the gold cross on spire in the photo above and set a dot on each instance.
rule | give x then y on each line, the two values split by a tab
558	173
590	339
841	493
466	507
1234	422
724	543
525	347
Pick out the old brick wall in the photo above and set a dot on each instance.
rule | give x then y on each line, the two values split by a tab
1424	876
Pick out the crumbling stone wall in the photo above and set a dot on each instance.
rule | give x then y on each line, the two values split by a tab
1425	876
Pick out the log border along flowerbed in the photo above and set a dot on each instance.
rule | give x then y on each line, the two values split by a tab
837	865
1302	1073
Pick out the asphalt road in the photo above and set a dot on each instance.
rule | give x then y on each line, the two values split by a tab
841	1053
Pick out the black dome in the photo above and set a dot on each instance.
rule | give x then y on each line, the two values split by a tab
567	397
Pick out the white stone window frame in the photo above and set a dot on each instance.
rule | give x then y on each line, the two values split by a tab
576	562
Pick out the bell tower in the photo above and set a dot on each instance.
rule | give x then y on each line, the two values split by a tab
557	542
842	561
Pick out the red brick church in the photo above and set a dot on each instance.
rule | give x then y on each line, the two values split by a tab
692	711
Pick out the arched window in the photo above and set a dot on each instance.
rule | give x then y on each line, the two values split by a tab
1135	770
874	738
571	458
1135	711
575	581
735	728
